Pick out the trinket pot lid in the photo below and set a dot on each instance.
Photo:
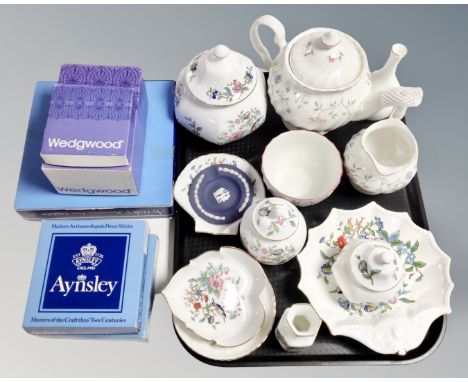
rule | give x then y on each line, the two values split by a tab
275	219
220	76
375	265
326	59
220	194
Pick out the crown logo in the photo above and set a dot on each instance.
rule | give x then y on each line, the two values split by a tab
88	258
81	277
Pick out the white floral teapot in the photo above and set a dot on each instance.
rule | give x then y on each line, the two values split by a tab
321	80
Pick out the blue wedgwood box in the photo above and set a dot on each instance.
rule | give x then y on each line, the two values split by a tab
91	277
37	199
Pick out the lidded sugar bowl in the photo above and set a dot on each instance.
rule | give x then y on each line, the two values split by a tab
273	231
369	271
220	96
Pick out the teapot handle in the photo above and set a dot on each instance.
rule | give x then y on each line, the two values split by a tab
278	29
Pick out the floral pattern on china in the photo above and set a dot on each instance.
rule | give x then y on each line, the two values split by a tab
320	80
331	247
220	77
397	324
217	295
274	220
204	294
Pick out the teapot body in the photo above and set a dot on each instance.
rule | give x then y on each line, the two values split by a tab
305	108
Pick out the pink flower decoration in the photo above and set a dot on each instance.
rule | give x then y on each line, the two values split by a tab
236	135
216	282
236	86
264	251
280	220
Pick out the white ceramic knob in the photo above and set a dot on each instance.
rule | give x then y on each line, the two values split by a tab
221	51
330	38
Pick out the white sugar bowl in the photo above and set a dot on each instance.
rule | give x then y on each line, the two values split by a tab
369	271
220	96
273	231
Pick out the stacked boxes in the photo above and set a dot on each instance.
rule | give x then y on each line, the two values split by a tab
96	123
91	278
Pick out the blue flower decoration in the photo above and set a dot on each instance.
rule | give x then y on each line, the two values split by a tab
379	222
410	259
361	236
343	303
326	268
322	239
278	79
214	93
249	74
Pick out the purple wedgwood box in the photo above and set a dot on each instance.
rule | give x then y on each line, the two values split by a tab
91	116
116	180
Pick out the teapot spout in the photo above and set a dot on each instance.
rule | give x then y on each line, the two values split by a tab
385	77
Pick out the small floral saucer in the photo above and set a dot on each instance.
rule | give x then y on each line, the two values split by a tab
184	182
220	353
217	295
396	325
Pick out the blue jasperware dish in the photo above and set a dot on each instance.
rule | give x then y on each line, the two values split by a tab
220	194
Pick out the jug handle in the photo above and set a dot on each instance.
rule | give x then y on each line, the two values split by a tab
278	29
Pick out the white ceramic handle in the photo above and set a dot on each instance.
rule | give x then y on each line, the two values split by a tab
401	98
280	37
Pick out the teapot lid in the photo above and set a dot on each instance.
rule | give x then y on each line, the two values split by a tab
220	76
275	218
376	265
326	59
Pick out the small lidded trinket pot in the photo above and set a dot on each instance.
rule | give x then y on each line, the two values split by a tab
298	327
221	96
376	271
273	231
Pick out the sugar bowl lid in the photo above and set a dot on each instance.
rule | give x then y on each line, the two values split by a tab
376	265
221	76
326	59
220	194
275	218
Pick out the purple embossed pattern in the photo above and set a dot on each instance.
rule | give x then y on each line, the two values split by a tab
121	76
91	102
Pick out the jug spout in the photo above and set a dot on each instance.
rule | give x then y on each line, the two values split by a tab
391	146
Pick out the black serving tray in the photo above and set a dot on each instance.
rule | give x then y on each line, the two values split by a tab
327	349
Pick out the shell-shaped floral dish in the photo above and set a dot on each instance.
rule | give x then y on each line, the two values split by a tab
217	296
184	181
220	353
394	326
